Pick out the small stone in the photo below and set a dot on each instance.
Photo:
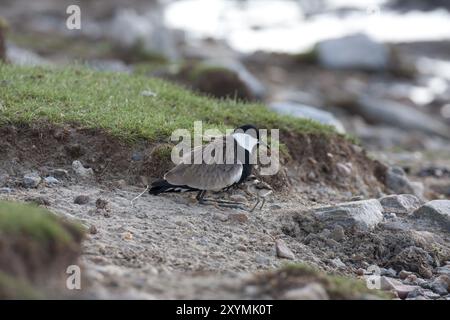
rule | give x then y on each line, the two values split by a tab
120	184
137	156
82	199
283	251
81	171
220	217
101	203
312	291
412	278
337	263
404	274
400	204
275	207
344	169
51	181
93	229
6	190
60	173
388	272
360	272
238	217
31	180
40	201
127	236
338	233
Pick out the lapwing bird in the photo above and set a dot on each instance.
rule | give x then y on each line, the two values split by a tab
259	189
238	149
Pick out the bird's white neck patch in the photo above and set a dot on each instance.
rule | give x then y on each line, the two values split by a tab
246	141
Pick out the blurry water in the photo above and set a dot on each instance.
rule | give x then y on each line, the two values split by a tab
294	26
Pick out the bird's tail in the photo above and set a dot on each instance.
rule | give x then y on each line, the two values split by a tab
162	186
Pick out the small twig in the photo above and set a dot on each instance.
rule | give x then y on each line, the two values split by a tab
140	195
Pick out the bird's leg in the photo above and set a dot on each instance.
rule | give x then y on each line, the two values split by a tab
254	207
262	204
200	196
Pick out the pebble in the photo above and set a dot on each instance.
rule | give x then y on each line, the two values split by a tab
238	217
6	190
82	199
51	181
101	203
93	229
127	236
60	173
338	233
283	251
388	272
31	180
404	274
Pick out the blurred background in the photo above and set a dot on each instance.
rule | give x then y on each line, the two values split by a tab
377	69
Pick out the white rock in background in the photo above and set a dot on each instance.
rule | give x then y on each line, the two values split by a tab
129	28
382	111
24	57
31	180
435	211
364	214
283	251
303	111
356	51
400	203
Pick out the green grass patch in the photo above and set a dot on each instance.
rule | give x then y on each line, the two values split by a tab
113	102
34	222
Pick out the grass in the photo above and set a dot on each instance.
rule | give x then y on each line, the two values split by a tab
112	102
34	222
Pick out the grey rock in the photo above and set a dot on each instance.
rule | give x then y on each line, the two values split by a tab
283	251
436	211
337	263
312	291
398	182
82	199
23	57
338	233
60	173
363	215
31	180
110	65
440	287
5	190
443	270
307	112
398	115
388	272
356	51
81	171
400	204
51	181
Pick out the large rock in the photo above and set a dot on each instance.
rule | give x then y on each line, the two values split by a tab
437	212
382	111
356	51
400	204
81	171
303	111
363	215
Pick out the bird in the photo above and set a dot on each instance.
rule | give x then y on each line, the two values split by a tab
210	174
259	189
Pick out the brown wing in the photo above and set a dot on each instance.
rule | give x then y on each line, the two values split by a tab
212	173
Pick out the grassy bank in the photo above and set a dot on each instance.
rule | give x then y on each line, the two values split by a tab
114	102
